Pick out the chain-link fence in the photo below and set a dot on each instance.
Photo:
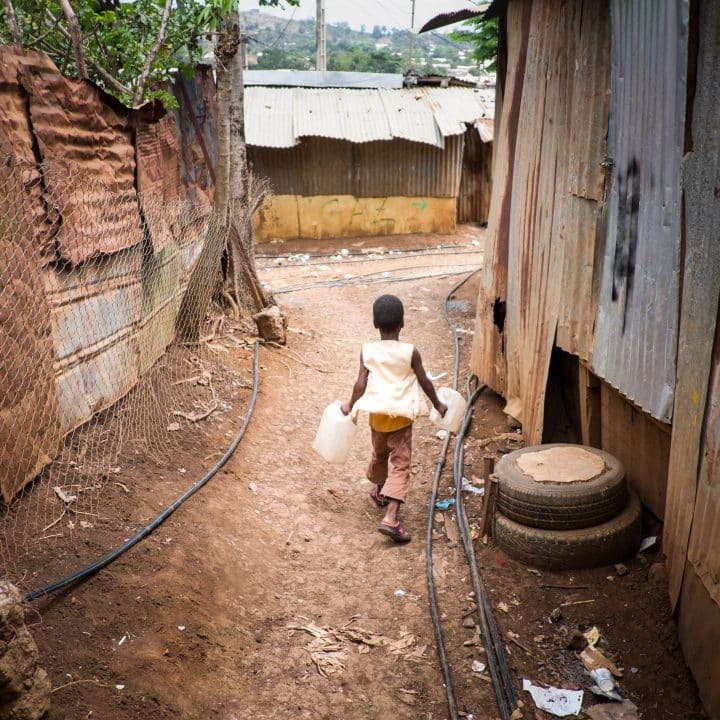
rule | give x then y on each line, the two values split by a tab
98	402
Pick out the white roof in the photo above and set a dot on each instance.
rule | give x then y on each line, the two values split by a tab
279	117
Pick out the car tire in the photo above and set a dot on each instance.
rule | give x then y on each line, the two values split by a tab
605	544
561	505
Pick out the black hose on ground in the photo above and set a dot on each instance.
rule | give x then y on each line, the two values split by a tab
497	661
104	561
399	251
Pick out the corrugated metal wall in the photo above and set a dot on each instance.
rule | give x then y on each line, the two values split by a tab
476	179
320	166
637	321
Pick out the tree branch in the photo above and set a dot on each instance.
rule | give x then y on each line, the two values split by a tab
150	59
13	23
99	69
75	37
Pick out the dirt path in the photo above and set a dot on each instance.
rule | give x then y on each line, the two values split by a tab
195	622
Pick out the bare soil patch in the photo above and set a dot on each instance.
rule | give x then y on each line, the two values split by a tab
275	571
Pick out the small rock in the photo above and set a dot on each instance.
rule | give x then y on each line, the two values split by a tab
657	574
621	569
271	324
468	622
556	615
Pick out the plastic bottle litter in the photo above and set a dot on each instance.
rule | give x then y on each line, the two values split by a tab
445	504
456	409
335	434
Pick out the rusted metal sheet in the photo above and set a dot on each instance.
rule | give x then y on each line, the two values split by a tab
699	309
76	129
320	166
196	130
476	183
488	356
410	118
637	320
158	178
95	310
29	435
704	550
455	108
16	142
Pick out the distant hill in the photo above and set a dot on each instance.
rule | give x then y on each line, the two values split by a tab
279	43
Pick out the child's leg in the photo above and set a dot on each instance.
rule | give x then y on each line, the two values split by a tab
398	480
377	471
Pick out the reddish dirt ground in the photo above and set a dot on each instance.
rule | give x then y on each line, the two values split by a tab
280	538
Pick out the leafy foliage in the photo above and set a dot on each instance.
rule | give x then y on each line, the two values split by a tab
483	36
118	36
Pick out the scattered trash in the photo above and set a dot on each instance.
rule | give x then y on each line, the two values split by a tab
592	636
504	607
592	659
344	252
604	684
445	504
556	701
252	487
400	593
182	471
477	666
647	543
467	486
613	711
119	687
85	525
67	499
556	615
173	427
441	434
122	640
435	378
181	628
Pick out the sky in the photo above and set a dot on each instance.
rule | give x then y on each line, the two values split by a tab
392	13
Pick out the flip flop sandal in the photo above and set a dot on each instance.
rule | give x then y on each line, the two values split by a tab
397	532
379	500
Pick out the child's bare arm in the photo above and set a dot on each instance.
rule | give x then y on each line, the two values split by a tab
358	388
426	383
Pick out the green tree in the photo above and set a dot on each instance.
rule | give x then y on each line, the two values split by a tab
278	59
483	36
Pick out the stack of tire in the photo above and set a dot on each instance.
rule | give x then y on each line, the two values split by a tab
565	507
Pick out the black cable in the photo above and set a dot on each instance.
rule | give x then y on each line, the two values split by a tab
400	253
104	561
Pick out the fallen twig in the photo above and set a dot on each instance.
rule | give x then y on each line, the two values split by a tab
78	682
196	417
565	587
298	358
576	602
54	522
514	437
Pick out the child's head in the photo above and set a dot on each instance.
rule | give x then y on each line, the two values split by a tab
388	313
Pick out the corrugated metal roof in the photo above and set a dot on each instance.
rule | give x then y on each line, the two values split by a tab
637	322
278	117
327	79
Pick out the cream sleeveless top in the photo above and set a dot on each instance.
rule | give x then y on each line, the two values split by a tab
392	387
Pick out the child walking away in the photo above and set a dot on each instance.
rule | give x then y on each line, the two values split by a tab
387	388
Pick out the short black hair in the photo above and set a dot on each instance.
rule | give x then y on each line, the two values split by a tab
388	313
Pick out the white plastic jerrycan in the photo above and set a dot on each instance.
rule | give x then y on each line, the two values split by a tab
335	434
455	410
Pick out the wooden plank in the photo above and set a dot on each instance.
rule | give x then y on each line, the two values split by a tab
488	511
642	445
590	425
699	303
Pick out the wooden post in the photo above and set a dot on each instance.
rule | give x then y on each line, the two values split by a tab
488	511
488	467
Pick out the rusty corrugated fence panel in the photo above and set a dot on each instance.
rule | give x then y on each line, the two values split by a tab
75	128
637	319
488	355
698	317
269	117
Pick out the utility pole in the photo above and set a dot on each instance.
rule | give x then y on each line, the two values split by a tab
321	59
412	37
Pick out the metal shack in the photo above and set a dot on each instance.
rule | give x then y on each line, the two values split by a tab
353	154
598	307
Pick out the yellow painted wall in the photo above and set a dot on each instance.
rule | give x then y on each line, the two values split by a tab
293	216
